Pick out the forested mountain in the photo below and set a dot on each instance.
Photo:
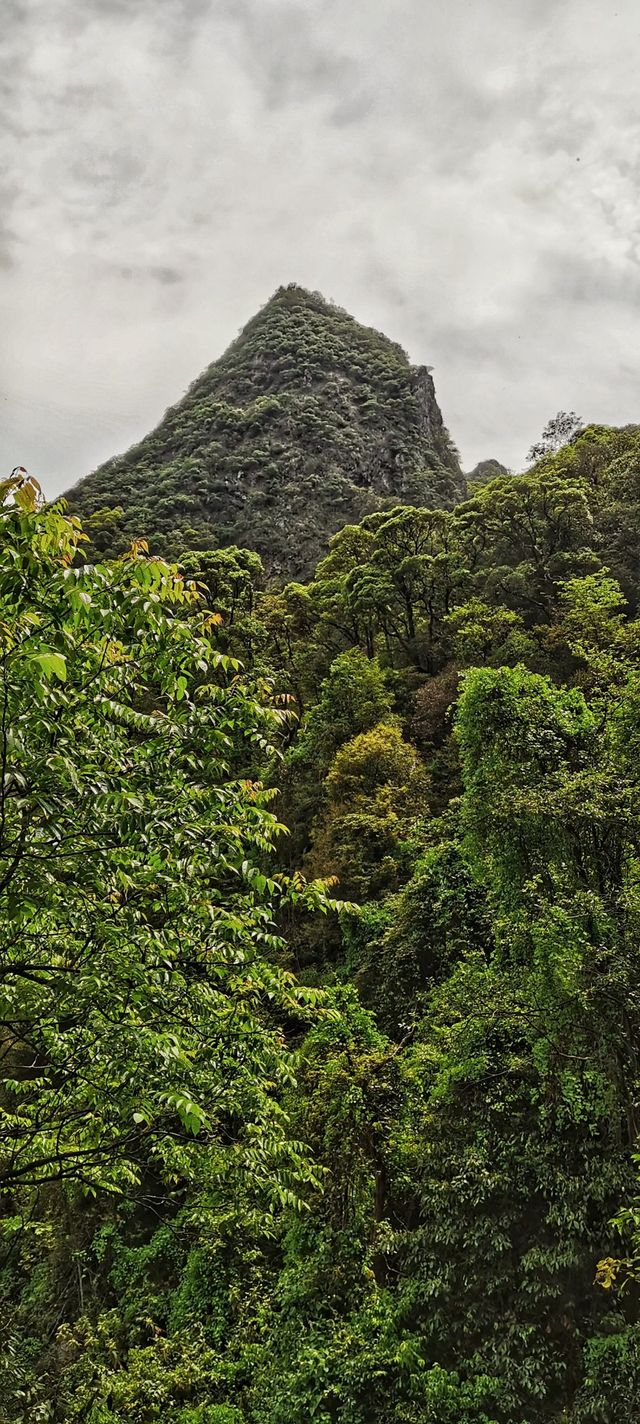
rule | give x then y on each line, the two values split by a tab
339	1124
484	471
308	422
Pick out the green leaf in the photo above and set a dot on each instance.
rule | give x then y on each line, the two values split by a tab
53	664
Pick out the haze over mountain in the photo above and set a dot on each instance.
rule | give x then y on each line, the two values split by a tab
308	422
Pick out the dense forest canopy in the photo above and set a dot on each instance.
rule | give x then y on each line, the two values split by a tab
320	914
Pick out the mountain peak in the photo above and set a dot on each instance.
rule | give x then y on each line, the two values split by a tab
308	421
485	471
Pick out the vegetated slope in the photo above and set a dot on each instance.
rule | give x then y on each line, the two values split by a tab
308	422
484	471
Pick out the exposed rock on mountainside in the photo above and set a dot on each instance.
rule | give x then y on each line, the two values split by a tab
308	422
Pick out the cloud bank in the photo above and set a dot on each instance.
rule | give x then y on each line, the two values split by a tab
462	176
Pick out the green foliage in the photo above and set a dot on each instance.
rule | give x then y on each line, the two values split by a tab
487	633
611	1386
376	789
142	999
414	1195
527	750
106	1381
398	952
353	698
136	917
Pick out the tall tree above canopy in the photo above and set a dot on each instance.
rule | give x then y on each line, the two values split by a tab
557	432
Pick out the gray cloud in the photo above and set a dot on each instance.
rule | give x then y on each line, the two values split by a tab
464	177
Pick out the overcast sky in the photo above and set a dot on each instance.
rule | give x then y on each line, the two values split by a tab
462	174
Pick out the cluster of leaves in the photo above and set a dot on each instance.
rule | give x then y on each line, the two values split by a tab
306	423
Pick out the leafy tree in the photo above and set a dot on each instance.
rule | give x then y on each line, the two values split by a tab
354	696
229	580
411	580
558	431
398	951
137	919
481	632
522	536
376	789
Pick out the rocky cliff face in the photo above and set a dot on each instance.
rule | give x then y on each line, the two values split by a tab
308	422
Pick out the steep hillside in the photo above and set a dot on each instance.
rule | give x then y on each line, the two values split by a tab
308	422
